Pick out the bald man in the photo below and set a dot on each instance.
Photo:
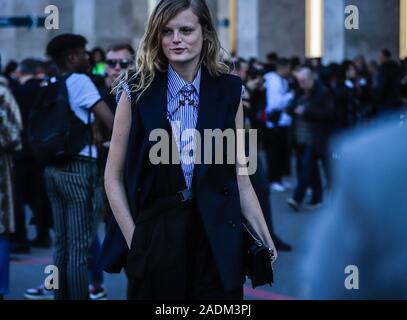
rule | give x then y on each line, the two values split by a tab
314	113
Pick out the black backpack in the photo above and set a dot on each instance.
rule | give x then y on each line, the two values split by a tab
55	133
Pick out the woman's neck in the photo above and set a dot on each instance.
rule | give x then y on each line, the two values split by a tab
187	71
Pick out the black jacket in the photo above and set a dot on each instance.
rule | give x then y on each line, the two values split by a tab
319	114
388	91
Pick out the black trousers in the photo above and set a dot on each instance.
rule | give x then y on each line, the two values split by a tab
278	153
308	174
170	259
30	189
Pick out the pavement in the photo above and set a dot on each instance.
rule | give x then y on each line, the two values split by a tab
27	271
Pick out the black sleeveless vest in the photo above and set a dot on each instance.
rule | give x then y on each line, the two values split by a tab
215	186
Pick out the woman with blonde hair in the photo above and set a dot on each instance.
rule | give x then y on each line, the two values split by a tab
180	221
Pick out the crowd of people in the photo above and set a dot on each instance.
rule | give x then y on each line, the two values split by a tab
295	106
298	108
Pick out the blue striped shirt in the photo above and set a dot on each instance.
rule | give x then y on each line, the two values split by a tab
183	118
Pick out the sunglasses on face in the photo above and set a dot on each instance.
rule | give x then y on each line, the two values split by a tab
123	63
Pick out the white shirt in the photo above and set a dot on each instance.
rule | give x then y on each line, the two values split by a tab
278	97
83	96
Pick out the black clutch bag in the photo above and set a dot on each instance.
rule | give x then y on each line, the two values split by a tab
259	258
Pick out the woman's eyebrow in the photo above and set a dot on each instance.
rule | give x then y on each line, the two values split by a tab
180	27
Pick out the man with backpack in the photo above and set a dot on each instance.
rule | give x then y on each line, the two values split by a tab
60	135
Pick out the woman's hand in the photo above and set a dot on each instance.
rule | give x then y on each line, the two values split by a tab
249	202
273	253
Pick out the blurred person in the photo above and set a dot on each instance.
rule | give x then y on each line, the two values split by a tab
271	62
365	82
388	86
254	99
365	223
357	86
70	185
255	64
314	111
295	62
241	68
341	96
98	62
51	70
403	82
188	259
315	64
10	72
41	72
29	175
10	141
278	98
119	58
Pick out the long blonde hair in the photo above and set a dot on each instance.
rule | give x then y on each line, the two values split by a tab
150	56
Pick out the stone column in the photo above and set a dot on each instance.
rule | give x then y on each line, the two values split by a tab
379	28
121	21
222	18
248	28
84	20
334	31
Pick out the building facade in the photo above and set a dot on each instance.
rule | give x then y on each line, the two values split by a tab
261	26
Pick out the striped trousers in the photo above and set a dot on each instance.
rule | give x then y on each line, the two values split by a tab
70	188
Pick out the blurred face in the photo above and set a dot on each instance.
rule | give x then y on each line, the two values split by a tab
244	68
382	58
182	39
284	71
97	56
79	61
117	62
359	62
306	83
351	72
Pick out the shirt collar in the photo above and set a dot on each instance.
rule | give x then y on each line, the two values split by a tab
176	83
